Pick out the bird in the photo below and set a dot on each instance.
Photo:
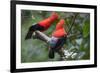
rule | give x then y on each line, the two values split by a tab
42	25
57	40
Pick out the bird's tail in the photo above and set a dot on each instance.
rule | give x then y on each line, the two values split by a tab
29	35
51	53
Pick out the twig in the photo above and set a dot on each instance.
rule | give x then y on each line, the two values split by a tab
73	21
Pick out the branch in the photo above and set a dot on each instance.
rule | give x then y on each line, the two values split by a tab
73	21
71	35
41	36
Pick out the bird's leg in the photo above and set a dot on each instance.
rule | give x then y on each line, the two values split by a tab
41	36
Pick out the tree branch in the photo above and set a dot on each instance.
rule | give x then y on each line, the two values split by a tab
73	21
41	36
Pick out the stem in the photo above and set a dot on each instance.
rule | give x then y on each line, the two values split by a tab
73	21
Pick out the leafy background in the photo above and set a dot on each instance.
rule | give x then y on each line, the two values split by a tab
77	44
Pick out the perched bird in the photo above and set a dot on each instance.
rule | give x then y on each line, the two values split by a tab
42	25
58	39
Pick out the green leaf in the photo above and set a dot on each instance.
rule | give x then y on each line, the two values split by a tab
86	28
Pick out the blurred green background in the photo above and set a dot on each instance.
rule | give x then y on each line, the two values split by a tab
77	45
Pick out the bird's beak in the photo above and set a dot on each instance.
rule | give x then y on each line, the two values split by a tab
29	35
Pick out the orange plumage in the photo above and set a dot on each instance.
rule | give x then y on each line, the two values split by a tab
59	31
47	22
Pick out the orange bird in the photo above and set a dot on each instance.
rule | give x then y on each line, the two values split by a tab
42	25
58	38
